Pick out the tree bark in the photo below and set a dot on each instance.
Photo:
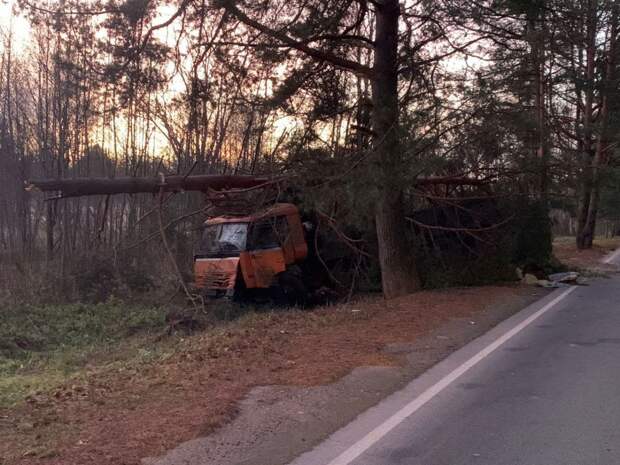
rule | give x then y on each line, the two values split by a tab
536	28
590	205
135	185
396	255
584	241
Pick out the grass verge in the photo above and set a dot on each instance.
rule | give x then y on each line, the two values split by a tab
41	346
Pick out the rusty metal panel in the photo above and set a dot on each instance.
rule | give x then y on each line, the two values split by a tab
267	264
216	273
297	237
247	270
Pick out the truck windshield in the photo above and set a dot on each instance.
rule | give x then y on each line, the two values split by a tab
224	239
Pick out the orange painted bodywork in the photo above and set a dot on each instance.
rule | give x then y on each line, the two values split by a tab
295	246
216	273
259	267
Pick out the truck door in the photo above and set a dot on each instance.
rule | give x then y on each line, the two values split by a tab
266	254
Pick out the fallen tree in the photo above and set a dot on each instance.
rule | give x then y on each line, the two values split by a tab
202	183
134	185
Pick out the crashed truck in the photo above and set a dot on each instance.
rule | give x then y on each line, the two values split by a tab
259	255
263	254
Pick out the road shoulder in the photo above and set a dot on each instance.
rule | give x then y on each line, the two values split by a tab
275	424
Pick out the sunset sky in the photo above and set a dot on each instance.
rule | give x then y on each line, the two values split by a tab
18	24
21	31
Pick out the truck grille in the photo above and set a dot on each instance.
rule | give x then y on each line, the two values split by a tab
217	280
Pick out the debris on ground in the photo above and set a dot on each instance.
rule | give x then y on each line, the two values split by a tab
567	277
529	279
551	284
554	280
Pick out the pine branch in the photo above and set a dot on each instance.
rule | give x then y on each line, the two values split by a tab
340	62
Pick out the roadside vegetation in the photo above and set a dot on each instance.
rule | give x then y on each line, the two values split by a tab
587	261
43	346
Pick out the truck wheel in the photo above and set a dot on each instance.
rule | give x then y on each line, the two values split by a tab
291	289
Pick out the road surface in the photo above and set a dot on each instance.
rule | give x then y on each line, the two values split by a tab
542	388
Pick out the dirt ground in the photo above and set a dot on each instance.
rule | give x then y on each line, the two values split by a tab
566	251
116	416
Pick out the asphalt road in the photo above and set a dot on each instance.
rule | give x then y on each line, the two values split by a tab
543	388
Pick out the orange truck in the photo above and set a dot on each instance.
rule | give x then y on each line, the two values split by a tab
256	254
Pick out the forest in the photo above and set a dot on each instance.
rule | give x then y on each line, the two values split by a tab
422	153
362	111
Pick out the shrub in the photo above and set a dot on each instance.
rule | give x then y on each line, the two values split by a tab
98	278
524	242
531	232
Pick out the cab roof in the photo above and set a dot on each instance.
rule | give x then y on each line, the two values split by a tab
278	209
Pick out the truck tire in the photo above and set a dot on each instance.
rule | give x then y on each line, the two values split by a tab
291	288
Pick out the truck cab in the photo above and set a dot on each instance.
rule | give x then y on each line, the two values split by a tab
249	252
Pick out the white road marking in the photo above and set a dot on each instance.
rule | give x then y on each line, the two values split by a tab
611	257
380	431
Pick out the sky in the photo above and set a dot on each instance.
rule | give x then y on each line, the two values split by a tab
18	24
21	30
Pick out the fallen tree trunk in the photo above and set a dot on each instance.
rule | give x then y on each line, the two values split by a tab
135	185
176	183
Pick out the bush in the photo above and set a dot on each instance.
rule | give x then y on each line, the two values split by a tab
96	279
493	265
531	232
525	242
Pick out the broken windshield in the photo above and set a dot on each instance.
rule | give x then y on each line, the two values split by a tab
224	239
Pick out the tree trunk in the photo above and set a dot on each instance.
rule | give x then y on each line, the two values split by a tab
396	255
536	39
584	241
589	210
586	236
587	232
